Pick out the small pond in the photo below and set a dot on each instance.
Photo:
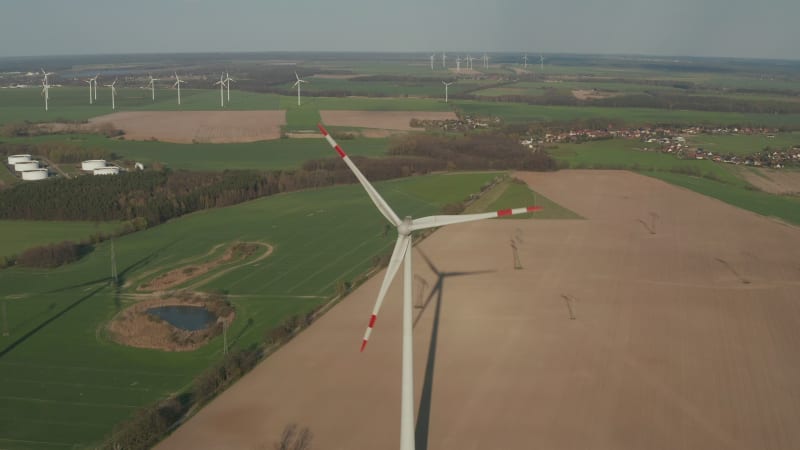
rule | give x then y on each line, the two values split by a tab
191	318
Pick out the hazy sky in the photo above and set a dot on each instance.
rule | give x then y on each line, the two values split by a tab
739	28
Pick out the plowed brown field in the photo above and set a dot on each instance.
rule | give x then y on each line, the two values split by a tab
197	126
685	336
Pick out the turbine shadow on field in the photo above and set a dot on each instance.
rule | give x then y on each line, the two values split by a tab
424	412
47	322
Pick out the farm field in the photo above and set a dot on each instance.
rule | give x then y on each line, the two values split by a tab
744	144
388	120
18	235
683	333
268	155
522	113
64	384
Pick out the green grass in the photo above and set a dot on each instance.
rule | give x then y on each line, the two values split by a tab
785	208
63	382
627	154
744	144
420	87
510	194
266	155
523	113
18	235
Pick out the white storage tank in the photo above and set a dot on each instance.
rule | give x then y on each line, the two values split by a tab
13	159
110	170
91	164
27	165
35	174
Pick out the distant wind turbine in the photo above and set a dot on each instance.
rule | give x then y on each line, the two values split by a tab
152	84
90	89
297	83
94	80
444	58
458	64
485	61
446	85
228	81
221	84
432	58
113	93
469	61
177	84
541	63
46	89
525	59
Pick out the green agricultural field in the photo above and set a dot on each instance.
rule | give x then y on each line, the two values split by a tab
72	104
628	154
18	235
419	87
267	155
63	384
744	144
523	113
785	208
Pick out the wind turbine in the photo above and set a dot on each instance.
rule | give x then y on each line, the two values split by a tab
297	83
541	63
113	93
446	85
469	61
90	89
485	61
46	89
228	81
444	58
458	64
177	84
221	84
152	84
402	253
94	80
432	57
525	58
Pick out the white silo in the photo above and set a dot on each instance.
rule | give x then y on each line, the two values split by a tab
13	159
91	164
109	170
35	174
27	165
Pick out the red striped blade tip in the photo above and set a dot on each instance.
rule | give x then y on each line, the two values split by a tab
322	129
534	208
363	344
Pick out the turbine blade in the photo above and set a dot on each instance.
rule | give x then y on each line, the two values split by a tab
438	221
398	253
379	202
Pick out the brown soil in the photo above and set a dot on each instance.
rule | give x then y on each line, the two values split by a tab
592	94
197	126
669	348
181	275
774	181
136	328
385	120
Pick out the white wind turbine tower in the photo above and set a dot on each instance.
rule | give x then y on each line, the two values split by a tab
46	89
402	253
458	64
446	85
525	59
113	93
432	58
297	83
177	84
90	89
152	85
444	58
221	84
228	81
541	63
469	61
94	80
485	61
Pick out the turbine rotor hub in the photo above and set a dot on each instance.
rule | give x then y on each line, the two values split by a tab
404	229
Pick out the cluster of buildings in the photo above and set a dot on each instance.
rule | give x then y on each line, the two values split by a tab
461	124
773	158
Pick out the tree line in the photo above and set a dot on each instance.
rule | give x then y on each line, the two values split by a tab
57	152
157	196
